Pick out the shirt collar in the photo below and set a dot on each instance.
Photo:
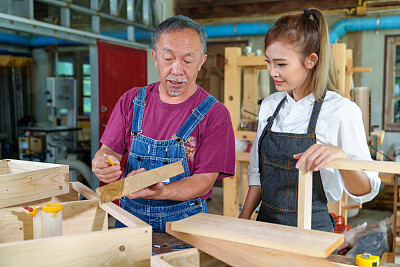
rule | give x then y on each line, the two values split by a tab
307	100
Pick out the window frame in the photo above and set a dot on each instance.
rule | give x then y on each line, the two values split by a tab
391	42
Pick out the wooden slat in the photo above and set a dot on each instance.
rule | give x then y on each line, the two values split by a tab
20	187
252	61
339	55
183	258
242	156
118	247
261	234
379	166
118	213
78	217
139	181
361	69
304	202
243	255
250	95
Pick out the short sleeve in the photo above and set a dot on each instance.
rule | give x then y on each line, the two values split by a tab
216	151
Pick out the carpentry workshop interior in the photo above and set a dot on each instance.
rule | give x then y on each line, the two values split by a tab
75	72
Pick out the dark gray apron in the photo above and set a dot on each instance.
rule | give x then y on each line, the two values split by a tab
279	176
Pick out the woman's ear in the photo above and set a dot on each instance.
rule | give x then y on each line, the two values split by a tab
311	61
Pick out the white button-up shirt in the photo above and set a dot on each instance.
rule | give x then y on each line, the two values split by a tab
339	123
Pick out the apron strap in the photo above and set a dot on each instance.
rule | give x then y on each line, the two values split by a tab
194	119
314	115
138	111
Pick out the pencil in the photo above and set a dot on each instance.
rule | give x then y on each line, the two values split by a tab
109	160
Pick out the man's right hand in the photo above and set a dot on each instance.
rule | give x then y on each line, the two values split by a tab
104	170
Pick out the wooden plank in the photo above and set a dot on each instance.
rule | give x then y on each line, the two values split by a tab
304	202
242	156
183	258
250	94
348	74
119	247
361	69
339	55
379	166
232	85
244	255
118	213
20	187
252	61
139	181
78	217
261	234
231	194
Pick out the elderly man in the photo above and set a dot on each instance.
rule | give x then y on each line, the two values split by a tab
168	121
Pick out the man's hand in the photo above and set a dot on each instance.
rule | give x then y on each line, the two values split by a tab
316	156
148	192
104	170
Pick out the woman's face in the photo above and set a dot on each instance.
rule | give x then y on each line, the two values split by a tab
289	72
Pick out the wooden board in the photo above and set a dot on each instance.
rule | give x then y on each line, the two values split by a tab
273	236
304	202
183	258
139	181
243	255
78	217
118	247
378	166
23	181
117	212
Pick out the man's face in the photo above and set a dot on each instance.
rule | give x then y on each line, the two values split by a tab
178	58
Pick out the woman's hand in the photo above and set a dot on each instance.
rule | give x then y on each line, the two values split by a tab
316	156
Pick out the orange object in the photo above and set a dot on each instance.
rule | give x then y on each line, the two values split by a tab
340	225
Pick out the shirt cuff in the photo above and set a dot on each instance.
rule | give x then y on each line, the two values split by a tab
253	176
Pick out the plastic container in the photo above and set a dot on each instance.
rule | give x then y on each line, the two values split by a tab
47	222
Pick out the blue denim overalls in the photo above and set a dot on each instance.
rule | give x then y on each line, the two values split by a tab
279	175
148	153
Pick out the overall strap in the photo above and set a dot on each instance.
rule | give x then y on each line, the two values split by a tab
314	115
195	118
138	111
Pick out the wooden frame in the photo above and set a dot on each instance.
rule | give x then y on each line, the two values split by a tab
23	181
85	241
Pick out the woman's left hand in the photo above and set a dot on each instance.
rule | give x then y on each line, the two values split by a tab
316	156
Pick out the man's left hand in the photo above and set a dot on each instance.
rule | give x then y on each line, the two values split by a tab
149	192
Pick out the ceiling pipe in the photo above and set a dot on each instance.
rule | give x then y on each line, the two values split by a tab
363	24
225	30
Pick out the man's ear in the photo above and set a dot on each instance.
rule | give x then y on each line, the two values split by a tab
153	54
311	61
203	59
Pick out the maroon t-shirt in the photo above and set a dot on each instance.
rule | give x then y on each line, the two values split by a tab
210	147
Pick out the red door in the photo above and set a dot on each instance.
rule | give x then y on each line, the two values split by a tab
120	68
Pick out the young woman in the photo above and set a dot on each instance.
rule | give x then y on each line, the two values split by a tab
305	125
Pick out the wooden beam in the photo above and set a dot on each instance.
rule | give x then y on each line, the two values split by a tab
121	247
244	255
24	181
139	181
261	234
378	166
245	135
183	258
304	202
339	55
118	213
250	95
252	61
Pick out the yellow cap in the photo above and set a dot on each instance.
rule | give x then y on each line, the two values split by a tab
52	208
33	212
